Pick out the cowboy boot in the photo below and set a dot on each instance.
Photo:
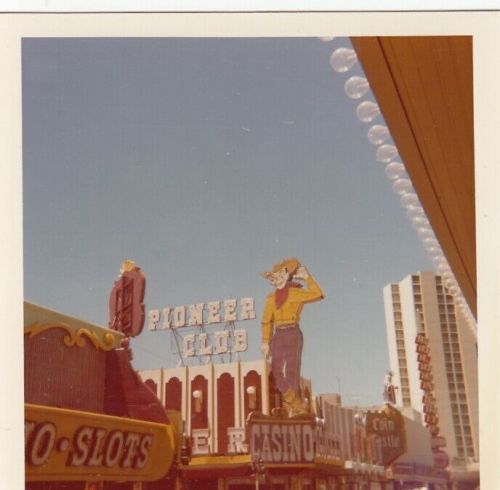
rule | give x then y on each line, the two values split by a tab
287	399
298	408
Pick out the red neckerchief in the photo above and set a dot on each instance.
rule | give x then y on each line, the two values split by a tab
281	295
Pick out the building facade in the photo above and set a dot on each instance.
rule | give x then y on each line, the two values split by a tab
234	440
90	422
433	358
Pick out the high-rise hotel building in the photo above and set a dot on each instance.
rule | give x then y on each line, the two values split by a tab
433	357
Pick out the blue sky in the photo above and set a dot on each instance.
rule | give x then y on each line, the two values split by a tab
206	161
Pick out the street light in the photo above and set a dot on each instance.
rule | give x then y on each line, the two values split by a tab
258	470
252	397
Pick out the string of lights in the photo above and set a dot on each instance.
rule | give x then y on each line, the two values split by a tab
356	88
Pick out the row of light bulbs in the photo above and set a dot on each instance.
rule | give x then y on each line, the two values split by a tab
355	87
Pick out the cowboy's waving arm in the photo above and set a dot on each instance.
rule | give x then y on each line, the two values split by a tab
313	291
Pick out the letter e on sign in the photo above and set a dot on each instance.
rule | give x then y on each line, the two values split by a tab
247	311
213	312
230	310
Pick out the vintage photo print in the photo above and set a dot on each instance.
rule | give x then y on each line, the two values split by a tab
250	250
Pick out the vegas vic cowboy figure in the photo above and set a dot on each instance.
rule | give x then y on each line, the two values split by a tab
281	335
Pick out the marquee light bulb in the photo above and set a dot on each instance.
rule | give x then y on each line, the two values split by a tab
395	170
434	251
378	134
409	199
367	111
425	232
440	261
419	221
414	211
402	186
443	269
343	59
447	275
385	153
355	87
451	284
430	242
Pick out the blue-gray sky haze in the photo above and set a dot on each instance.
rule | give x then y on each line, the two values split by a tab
206	161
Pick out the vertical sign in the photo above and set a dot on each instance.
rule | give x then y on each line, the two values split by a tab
126	307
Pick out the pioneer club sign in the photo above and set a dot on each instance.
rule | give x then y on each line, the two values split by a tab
71	445
202	343
386	428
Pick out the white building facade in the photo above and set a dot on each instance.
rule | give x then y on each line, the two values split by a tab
433	357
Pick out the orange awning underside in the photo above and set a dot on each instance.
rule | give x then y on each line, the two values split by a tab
423	86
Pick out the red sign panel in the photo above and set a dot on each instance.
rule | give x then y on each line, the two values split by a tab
126	307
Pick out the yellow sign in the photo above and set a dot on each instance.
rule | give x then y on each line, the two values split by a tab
71	445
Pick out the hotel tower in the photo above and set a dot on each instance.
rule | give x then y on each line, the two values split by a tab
433	358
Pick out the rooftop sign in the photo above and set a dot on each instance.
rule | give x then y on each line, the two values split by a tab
200	314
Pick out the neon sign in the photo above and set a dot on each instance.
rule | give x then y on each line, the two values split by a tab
199	314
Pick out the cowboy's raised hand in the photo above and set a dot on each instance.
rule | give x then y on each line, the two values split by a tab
301	273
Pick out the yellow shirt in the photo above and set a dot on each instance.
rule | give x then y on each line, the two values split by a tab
290	310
